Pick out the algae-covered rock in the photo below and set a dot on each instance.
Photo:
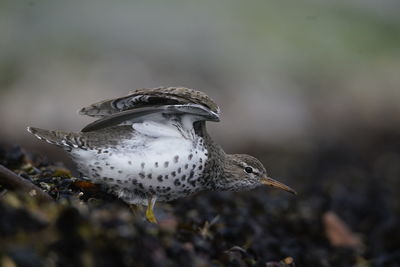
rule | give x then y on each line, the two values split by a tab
86	226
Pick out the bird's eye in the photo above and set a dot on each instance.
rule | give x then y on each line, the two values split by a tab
248	169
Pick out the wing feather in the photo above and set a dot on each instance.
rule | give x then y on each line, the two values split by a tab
150	97
155	113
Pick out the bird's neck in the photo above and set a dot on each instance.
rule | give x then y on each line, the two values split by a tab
225	181
216	156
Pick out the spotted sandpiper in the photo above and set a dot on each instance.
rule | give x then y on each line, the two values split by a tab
152	145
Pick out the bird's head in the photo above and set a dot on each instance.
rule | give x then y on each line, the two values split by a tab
244	172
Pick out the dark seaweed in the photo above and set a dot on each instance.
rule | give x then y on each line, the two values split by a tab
357	180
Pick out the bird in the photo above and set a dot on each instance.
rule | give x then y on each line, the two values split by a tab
152	145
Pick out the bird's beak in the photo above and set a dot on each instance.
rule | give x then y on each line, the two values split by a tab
276	184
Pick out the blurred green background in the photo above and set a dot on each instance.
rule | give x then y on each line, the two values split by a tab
282	71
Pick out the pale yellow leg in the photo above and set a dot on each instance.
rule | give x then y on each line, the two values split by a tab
149	211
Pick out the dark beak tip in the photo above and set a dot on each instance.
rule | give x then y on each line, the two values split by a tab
271	182
291	191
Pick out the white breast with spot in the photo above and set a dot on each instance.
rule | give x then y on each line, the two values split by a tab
157	156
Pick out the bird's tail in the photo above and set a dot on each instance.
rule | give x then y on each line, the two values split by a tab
59	138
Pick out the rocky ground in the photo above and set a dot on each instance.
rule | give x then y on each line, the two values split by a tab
346	214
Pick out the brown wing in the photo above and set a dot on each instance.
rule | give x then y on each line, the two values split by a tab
151	104
142	98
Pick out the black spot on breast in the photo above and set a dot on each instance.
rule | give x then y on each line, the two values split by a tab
141	185
99	168
183	178
201	160
149	176
142	165
119	181
112	168
191	175
177	182
93	169
130	162
105	151
141	175
166	164
190	157
173	173
186	166
179	170
193	166
97	163
159	178
119	171
176	158
200	167
107	164
134	181
156	164
166	177
138	193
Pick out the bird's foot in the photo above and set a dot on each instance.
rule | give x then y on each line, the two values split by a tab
149	211
150	215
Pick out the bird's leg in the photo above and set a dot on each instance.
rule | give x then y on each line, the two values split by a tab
149	211
136	209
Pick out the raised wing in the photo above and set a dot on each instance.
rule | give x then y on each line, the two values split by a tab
151	113
150	97
151	104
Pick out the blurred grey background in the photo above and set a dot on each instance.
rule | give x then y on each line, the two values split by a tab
283	72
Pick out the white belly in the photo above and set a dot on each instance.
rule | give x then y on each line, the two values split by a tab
165	166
